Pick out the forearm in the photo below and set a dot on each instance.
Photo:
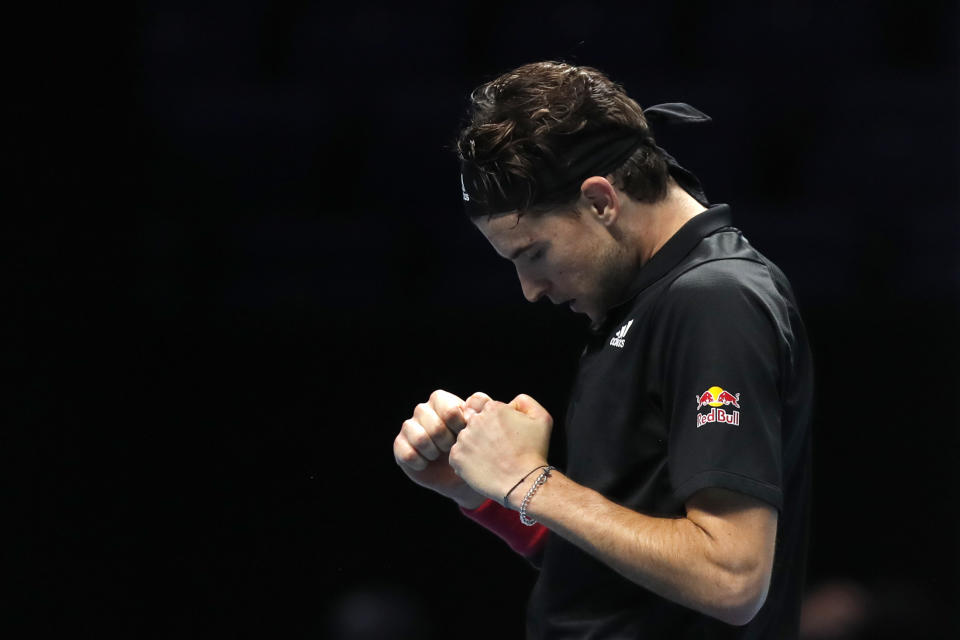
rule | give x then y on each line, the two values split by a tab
672	557
466	498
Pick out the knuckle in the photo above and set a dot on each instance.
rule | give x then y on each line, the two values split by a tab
420	410
477	401
424	446
444	439
453	419
401	449
440	436
404	458
449	414
420	441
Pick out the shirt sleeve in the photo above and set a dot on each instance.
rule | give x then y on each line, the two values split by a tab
721	377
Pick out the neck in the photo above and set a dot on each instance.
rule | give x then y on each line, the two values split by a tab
656	223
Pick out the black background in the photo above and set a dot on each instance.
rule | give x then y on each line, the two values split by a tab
239	260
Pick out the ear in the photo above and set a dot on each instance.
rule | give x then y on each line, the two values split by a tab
601	197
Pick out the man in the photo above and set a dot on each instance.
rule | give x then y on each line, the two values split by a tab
681	510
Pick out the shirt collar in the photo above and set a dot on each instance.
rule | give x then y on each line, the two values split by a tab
669	256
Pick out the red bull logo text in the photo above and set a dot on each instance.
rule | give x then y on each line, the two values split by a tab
715	397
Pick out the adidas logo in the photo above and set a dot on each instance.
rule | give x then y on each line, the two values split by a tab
618	340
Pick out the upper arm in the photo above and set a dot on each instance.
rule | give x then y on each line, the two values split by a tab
742	532
720	344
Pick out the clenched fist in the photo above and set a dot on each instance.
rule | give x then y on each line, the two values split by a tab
422	447
501	444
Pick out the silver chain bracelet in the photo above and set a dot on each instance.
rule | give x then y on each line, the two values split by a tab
542	478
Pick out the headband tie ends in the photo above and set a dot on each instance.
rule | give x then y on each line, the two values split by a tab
679	113
675	113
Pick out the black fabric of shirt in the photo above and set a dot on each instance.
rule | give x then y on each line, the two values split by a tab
707	311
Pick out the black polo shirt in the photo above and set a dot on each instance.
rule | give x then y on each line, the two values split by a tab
702	378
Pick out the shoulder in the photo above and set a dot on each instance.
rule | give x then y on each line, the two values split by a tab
735	298
744	277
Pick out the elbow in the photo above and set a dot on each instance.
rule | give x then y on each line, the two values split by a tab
740	615
742	599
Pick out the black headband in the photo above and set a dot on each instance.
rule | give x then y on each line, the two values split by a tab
589	152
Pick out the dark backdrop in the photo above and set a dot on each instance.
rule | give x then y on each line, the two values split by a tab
239	260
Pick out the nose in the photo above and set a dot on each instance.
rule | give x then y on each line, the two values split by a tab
533	290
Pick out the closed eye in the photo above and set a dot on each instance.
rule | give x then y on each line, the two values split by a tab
536	255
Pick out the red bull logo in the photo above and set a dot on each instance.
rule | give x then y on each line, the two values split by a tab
716	397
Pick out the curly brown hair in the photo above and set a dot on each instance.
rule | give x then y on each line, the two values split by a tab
518	121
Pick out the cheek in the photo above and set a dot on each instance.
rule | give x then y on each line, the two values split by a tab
592	275
613	274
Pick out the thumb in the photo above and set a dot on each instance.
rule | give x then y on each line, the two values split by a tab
530	407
